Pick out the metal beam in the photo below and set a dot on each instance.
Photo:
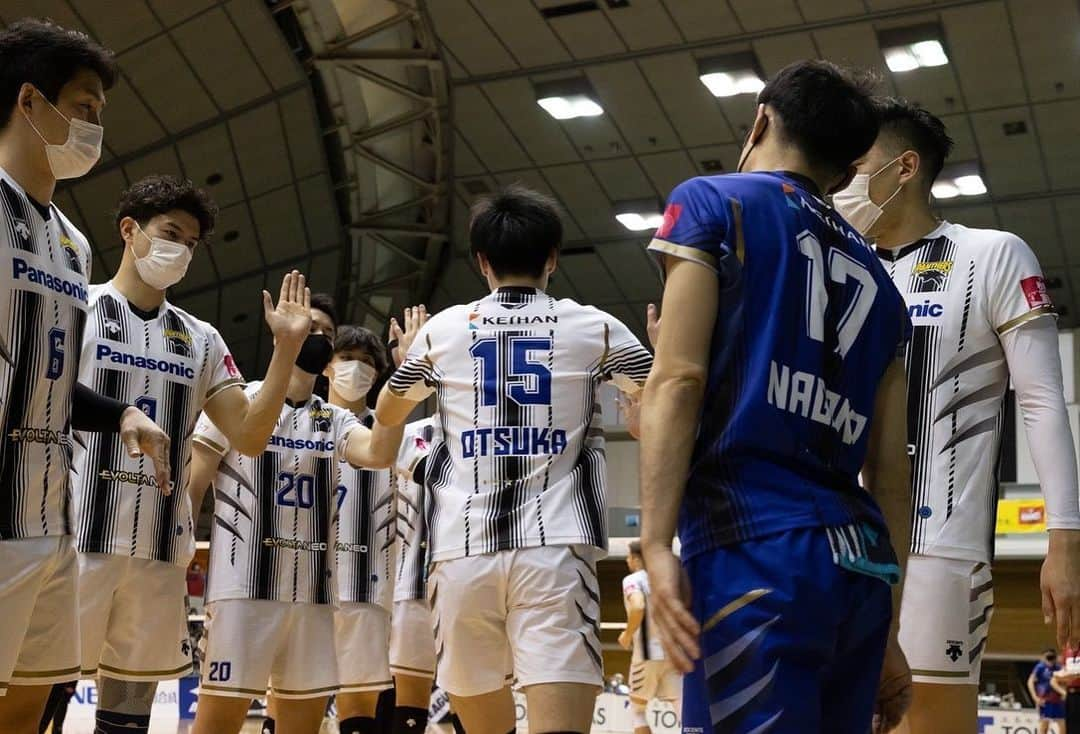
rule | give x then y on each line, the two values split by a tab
391	166
376	215
383	81
392	124
397	280
417	55
379	239
401	230
370	31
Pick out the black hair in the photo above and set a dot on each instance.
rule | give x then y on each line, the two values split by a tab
48	56
826	111
160	194
516	229
348	336
1049	651
635	548
325	303
917	129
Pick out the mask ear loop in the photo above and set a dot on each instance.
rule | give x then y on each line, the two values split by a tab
898	188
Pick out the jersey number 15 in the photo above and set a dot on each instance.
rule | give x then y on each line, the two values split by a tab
514	368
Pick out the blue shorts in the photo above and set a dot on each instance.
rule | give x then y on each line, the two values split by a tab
792	643
1052	710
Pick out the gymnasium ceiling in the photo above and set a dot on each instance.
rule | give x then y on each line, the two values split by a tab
1011	61
349	138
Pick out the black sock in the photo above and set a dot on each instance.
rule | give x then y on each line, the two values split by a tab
268	725
455	722
384	712
111	722
358	725
410	720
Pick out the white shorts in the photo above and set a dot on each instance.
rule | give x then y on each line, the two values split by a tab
531	613
412	639
362	640
254	646
132	618
945	618
39	621
651	679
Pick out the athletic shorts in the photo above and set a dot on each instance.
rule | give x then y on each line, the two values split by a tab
412	639
132	618
531	613
254	646
1052	710
945	618
362	639
791	642
39	601
651	679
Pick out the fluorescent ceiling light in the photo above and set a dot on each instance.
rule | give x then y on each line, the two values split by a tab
959	179
566	99
917	47
731	74
639	215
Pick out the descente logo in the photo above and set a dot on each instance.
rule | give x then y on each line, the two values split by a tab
22	269
179	369
303	444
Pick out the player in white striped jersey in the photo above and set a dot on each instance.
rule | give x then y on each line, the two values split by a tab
270	595
517	473
134	544
651	675
982	314
364	544
412	635
52	91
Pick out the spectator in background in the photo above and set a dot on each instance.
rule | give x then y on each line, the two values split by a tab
1048	692
56	707
196	580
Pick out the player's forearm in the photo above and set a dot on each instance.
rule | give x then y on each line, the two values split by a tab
204	464
669	419
634	617
375	448
894	499
264	408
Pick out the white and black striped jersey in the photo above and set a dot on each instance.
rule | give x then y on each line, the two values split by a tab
411	581
43	292
964	288
366	534
273	535
518	459
647	644
168	364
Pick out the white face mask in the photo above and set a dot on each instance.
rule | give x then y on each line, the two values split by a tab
78	154
856	206
353	379
165	263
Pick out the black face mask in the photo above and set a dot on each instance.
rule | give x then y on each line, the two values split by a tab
315	354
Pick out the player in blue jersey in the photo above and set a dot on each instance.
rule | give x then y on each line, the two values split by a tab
776	382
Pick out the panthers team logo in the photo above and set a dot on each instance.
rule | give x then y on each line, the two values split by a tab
932	275
321	420
179	342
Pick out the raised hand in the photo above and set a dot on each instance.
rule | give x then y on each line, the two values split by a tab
401	339
652	324
290	320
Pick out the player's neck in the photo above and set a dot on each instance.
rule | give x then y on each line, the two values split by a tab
357	407
133	288
29	167
917	222
301	385
771	159
517	282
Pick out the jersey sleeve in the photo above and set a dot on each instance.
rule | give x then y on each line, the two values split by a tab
224	372
207	434
413	449
415	379
1015	291
347	423
626	361
631	585
696	224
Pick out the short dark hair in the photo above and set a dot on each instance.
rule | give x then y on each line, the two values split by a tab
635	548
516	229
159	194
48	56
349	336
916	128
325	303
1050	651
826	111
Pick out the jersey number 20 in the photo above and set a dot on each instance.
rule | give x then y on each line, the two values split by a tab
524	379
841	268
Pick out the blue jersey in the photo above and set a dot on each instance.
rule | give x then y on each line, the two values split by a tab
1044	673
808	322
